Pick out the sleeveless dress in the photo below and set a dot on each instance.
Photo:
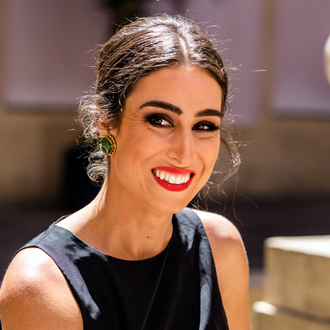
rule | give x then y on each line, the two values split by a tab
175	290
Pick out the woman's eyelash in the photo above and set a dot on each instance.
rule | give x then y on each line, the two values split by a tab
206	127
158	120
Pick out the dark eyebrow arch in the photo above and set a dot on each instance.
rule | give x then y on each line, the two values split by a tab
178	111
162	105
210	112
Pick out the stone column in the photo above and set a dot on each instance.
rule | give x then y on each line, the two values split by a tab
297	289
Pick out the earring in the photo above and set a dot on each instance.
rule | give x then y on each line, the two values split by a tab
107	144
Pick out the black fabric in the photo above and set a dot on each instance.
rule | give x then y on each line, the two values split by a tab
116	294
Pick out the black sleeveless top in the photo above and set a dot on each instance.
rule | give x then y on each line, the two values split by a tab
175	290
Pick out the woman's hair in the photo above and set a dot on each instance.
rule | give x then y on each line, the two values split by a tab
137	49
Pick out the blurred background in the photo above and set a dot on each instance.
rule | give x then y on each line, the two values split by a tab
280	102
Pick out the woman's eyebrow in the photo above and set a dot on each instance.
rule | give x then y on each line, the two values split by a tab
209	112
162	105
178	111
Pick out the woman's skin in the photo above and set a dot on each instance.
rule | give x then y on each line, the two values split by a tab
171	123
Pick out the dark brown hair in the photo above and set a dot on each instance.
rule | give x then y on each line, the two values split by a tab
137	49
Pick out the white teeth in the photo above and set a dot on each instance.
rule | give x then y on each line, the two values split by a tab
171	178
178	179
167	177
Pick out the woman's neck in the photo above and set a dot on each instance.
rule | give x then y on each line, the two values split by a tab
121	227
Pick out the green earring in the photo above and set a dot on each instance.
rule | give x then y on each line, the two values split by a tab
107	144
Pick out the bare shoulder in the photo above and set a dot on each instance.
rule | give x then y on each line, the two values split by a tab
225	241
34	295
219	229
231	267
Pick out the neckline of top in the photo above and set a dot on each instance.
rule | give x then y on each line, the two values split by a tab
95	250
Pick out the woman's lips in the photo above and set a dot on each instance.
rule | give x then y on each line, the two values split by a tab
173	179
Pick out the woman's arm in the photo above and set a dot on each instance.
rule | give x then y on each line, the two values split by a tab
34	295
231	266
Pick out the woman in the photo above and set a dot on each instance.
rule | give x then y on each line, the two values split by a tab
134	258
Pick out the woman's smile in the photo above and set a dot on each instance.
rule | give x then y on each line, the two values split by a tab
173	179
172	118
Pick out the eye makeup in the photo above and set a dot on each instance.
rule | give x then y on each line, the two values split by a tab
158	120
161	120
206	126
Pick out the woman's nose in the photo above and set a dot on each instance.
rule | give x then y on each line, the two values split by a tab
182	148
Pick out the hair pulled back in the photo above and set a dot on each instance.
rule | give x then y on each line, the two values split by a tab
137	49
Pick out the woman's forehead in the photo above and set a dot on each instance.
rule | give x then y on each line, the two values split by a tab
174	77
192	88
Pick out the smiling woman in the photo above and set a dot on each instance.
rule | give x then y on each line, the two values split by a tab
136	50
175	115
135	258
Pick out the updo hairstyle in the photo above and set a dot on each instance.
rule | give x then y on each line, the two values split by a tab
137	49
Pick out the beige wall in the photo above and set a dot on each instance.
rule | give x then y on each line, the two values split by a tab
287	156
32	147
283	156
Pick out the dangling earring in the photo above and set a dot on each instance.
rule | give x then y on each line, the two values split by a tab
107	144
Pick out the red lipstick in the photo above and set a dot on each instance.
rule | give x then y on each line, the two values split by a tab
175	171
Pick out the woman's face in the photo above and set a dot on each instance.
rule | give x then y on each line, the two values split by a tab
168	140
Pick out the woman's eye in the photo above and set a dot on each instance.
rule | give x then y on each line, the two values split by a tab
158	121
205	127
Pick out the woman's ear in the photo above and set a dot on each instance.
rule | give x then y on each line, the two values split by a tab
104	125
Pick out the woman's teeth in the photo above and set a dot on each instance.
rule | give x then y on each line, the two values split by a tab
171	178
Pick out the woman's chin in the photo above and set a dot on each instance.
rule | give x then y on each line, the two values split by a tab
170	206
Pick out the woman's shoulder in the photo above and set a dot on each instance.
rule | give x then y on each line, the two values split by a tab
226	244
31	265
34	294
231	266
218	227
